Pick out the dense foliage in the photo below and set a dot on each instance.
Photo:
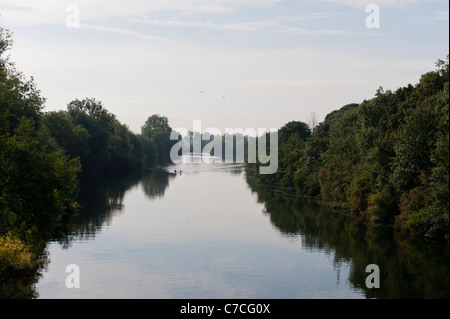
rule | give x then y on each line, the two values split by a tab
383	161
37	181
43	156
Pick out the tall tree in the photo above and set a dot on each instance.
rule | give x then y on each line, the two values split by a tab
157	129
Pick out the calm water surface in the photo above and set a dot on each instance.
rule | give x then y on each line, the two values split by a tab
208	234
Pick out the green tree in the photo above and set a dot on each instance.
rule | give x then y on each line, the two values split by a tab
294	128
421	168
157	129
69	137
38	185
156	122
383	161
38	181
18	96
112	148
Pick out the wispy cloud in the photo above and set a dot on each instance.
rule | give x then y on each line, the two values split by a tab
35	12
183	13
177	22
310	16
296	83
364	3
301	31
124	32
279	24
441	15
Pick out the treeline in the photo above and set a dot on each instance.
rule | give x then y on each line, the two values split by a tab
104	146
383	161
44	155
226	147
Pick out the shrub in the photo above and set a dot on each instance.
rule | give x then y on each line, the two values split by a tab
15	254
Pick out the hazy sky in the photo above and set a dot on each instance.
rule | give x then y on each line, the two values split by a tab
228	63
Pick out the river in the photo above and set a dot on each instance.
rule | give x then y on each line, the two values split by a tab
206	233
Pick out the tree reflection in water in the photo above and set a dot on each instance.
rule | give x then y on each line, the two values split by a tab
99	201
408	269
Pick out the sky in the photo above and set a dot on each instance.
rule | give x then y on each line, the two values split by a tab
228	63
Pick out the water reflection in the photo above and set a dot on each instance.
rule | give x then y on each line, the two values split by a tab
408	269
195	164
13	285
155	182
101	200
